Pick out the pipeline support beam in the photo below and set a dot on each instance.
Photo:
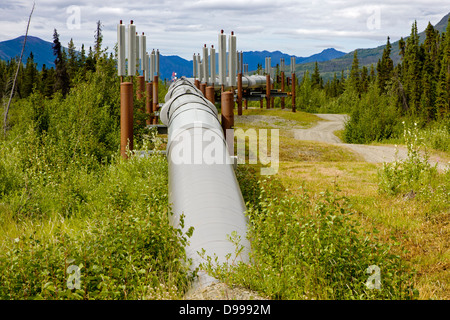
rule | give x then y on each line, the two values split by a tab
126	118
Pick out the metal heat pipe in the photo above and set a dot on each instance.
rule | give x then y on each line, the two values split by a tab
202	184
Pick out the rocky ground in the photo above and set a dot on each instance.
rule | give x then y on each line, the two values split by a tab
221	291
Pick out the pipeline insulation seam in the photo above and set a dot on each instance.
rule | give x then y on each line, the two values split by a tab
180	92
175	85
176	113
173	99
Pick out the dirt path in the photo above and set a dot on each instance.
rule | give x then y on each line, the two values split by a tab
323	132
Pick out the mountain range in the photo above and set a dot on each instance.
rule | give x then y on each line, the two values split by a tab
43	54
330	60
366	57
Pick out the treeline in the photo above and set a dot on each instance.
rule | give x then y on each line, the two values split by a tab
70	67
380	97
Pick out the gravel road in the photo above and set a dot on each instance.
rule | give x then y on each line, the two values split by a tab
323	132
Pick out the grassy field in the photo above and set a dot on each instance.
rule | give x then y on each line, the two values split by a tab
418	227
315	227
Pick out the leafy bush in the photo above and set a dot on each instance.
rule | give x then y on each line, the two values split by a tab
342	104
415	176
373	118
120	239
67	199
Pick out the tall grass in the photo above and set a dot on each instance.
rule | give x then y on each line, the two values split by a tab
311	248
68	200
415	176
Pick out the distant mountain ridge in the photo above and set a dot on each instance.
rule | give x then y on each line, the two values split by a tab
43	54
366	57
42	50
252	58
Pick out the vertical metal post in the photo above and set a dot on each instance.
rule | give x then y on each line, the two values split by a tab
222	59
152	65
200	68
148	102
282	89
232	60
213	66
239	93
194	65
268	91
210	94
131	49
205	66
141	87
157	62
155	98
121	65
294	81
203	88
147	67
126	118
227	102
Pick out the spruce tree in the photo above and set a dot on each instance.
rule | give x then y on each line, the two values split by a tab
412	73
31	76
90	60
61	75
429	79
385	67
72	61
355	77
372	75
316	80
364	81
98	41
443	83
48	81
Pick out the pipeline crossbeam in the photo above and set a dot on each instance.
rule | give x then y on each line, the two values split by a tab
202	183
248	82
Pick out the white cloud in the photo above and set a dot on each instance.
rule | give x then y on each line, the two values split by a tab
182	27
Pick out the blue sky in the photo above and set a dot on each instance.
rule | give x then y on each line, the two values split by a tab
181	28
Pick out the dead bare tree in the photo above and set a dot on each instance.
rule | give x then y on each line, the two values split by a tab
5	120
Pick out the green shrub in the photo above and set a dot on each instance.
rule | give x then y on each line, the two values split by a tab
68	199
373	118
119	238
436	136
415	176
